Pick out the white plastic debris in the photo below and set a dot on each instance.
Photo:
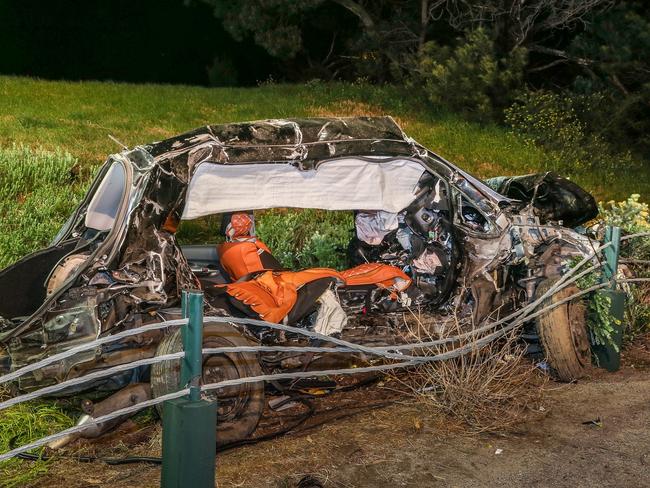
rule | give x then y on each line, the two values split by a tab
330	318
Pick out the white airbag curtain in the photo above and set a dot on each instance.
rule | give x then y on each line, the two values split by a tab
340	184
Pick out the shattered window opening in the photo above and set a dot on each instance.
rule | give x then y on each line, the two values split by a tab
105	204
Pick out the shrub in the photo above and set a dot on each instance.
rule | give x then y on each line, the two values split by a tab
307	238
38	191
633	216
489	389
471	76
560	123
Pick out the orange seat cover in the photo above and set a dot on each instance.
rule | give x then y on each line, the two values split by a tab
241	258
382	275
272	295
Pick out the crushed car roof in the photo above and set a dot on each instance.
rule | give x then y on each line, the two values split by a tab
282	140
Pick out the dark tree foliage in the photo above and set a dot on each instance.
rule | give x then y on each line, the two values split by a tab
580	47
615	48
517	23
470	55
615	58
368	38
159	41
387	34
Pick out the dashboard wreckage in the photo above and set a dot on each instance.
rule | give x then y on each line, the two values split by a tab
428	236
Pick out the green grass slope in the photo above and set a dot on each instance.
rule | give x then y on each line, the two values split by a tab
78	116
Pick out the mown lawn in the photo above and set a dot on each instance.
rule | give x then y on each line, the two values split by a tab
78	116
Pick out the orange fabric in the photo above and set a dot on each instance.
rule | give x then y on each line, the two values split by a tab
273	294
241	258
378	274
299	278
267	294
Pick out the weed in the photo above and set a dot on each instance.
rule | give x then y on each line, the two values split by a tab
20	425
38	191
489	389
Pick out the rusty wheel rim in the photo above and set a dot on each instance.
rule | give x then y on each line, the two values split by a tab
578	329
231	400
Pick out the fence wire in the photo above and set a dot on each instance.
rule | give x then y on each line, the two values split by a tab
386	352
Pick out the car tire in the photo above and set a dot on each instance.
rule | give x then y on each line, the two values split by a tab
563	333
240	407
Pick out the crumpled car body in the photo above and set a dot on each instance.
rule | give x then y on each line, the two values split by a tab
116	263
553	197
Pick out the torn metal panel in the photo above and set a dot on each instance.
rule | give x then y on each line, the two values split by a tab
554	198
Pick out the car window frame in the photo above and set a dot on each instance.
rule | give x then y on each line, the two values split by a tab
457	196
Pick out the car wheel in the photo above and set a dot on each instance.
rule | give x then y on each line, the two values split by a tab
563	333
239	407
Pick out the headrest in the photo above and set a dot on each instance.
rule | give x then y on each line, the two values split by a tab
240	226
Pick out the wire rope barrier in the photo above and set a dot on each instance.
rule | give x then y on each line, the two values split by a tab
391	353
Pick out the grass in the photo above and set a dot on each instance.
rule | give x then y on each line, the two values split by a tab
38	190
20	425
78	116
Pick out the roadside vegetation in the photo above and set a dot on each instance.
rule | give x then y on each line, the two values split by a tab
633	216
38	189
54	135
22	424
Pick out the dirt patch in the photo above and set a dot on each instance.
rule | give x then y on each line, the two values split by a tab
590	433
347	108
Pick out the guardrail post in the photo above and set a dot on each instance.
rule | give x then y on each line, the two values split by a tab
609	355
613	235
189	424
185	313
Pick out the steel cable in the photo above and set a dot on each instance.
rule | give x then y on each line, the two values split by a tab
88	346
406	361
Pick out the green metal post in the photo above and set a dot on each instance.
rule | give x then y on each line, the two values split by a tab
613	235
609	355
189	424
192	344
185	313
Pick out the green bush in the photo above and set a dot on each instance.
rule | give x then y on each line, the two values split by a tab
38	191
307	238
471	76
630	215
633	216
560	123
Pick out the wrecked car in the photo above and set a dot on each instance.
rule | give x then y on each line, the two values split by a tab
427	235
